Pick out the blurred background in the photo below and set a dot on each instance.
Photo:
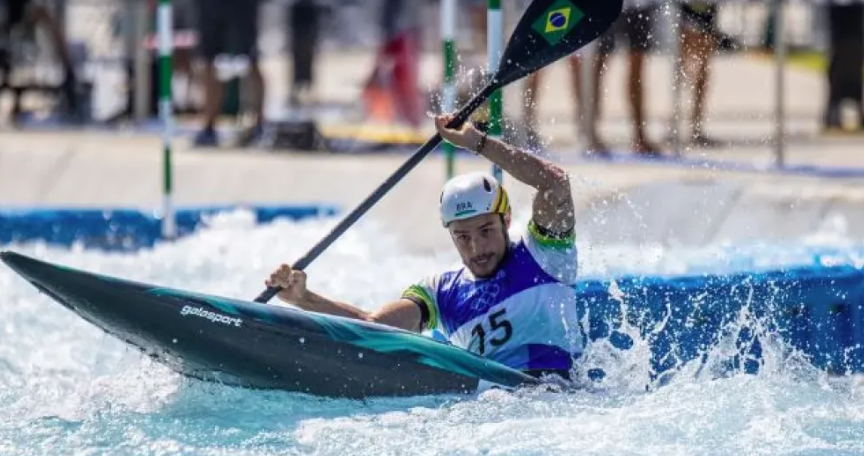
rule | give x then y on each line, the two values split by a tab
373	69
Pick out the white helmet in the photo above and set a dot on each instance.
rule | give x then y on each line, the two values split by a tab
470	195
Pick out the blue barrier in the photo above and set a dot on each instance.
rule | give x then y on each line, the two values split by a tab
124	229
817	310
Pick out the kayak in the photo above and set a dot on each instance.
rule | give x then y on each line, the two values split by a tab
260	346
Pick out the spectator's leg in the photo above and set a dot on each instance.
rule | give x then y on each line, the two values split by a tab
605	47
183	57
531	94
699	42
636	99
406	75
376	91
304	40
639	24
478	21
212	105
845	61
246	15
832	109
210	24
857	57
257	87
705	46
38	15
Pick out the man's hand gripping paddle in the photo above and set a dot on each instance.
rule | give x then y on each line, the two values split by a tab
547	31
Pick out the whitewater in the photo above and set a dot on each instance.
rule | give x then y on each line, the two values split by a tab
67	388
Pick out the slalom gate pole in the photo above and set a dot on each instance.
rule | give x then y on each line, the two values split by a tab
494	49
448	89
164	23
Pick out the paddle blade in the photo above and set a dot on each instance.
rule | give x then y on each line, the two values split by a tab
551	29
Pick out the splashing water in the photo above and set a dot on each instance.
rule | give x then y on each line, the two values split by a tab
66	388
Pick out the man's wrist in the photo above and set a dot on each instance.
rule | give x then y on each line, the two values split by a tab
478	140
307	299
303	301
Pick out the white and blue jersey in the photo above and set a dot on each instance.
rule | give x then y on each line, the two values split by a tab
524	316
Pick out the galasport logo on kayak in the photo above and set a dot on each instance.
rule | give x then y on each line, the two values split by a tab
212	316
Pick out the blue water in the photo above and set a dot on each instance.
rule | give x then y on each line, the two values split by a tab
66	388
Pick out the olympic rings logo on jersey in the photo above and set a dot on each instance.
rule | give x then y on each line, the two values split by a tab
484	296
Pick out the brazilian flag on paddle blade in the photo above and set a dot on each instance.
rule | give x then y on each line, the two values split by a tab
557	20
551	29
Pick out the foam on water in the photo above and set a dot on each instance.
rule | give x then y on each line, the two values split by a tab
66	388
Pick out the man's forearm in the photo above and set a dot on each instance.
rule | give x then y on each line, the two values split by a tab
526	168
316	303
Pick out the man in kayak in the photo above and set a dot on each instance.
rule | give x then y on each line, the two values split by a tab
512	300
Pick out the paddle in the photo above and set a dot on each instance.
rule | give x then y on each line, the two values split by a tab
547	31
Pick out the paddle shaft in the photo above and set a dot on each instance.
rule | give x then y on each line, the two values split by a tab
391	181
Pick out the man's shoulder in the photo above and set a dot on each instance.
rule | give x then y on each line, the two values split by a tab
444	278
427	291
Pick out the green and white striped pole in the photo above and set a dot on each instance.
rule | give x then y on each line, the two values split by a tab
448	88
494	49
164	25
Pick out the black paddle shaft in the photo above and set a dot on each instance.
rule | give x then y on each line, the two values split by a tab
547	31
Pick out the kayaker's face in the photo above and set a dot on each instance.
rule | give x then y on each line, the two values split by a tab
481	242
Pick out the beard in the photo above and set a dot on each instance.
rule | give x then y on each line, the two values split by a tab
487	264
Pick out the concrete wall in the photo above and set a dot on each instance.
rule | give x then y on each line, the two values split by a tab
617	203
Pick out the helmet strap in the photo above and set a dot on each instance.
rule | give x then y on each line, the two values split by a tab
506	235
